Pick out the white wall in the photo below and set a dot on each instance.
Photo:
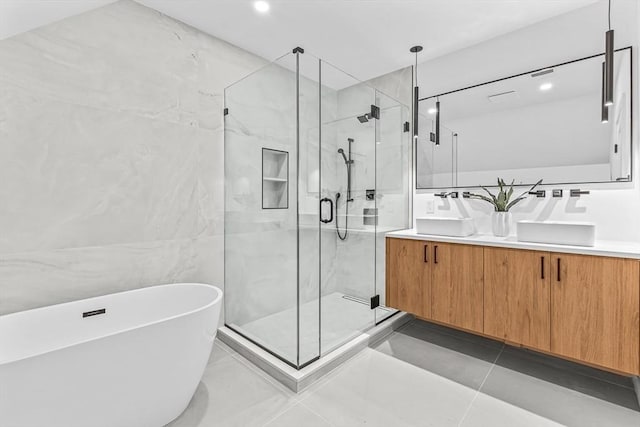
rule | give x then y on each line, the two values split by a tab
614	207
111	155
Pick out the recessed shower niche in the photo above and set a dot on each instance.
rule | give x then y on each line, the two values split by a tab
275	179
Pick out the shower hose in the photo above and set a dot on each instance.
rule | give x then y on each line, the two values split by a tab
346	218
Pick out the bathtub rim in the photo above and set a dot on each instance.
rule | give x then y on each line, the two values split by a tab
30	355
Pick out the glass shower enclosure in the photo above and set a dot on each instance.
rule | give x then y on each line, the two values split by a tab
317	170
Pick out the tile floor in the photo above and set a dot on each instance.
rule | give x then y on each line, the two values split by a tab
421	375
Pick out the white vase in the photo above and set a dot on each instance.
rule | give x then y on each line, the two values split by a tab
501	223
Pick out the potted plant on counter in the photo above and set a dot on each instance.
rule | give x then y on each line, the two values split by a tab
502	202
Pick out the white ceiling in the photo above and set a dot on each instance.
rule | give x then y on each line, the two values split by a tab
18	16
366	38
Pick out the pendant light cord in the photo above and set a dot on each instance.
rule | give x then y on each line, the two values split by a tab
416	67
609	14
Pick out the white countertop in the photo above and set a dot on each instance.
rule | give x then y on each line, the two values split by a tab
601	248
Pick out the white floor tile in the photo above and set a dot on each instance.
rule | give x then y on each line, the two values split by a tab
416	378
489	412
232	394
377	390
299	416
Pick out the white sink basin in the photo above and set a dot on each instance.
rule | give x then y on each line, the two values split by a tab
439	226
557	232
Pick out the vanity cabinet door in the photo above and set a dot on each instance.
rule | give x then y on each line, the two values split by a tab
595	305
517	296
457	285
408	276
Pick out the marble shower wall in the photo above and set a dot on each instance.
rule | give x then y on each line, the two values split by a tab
111	155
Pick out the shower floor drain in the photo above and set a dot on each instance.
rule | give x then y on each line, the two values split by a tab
355	299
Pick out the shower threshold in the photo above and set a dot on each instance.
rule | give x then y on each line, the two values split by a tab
298	379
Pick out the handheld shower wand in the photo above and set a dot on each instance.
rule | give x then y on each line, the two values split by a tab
348	162
341	151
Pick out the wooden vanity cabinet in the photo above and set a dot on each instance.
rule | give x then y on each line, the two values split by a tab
595	304
517	297
457	285
581	307
434	280
408	276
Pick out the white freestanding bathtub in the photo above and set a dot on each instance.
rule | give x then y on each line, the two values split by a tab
130	359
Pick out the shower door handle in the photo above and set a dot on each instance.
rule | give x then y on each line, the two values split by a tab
325	200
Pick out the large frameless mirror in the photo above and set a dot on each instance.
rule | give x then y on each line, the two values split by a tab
545	124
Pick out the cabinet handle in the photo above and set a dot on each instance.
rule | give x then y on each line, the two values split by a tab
426	250
542	267
558	269
435	254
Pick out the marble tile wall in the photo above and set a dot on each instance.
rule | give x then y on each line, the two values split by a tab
111	155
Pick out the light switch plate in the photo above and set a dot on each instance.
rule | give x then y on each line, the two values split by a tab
430	206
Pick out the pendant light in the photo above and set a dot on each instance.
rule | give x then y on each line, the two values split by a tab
416	92
437	141
605	109
608	60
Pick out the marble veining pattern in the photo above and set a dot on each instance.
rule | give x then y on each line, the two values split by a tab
111	155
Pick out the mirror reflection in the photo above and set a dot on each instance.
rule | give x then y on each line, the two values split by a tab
546	124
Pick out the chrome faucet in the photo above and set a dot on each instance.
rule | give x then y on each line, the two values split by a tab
538	193
444	194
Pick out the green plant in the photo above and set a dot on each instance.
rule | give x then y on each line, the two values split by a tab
502	201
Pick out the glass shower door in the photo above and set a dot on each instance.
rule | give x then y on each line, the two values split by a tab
308	200
271	235
393	179
348	231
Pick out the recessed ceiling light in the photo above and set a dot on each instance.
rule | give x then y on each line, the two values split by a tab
432	111
261	6
546	86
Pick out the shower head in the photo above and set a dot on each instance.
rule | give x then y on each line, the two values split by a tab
363	118
341	151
